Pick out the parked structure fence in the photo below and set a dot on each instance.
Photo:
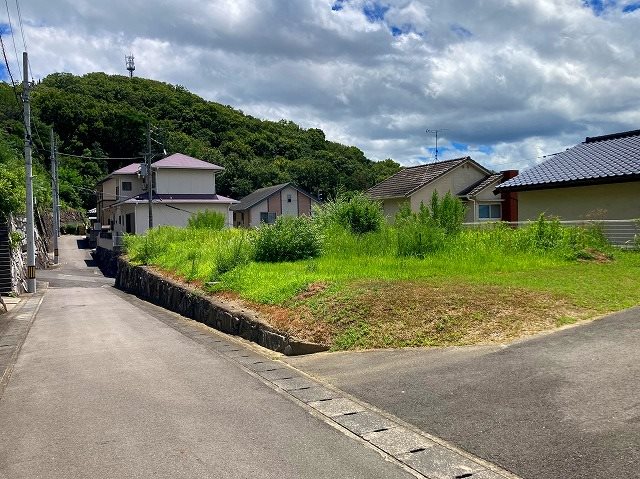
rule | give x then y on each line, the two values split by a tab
620	233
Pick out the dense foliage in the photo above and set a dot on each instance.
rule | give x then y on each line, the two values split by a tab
12	178
353	211
291	238
99	115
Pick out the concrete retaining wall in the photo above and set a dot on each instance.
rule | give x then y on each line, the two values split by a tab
159	290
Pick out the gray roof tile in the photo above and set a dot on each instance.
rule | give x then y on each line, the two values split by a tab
408	180
598	160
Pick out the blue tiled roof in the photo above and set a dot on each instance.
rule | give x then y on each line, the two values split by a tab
602	159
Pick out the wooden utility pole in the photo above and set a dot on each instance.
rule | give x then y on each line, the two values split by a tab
31	246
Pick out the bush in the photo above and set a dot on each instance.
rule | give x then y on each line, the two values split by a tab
354	211
206	219
290	238
419	239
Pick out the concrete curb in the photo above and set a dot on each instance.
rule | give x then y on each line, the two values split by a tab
148	285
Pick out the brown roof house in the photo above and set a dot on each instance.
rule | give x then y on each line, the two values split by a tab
597	179
266	204
470	181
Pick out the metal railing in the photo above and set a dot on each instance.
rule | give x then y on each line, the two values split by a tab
620	233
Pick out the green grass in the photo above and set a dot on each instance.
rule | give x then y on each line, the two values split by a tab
479	263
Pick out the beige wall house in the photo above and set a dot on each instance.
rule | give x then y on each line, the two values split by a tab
266	204
467	179
182	186
597	179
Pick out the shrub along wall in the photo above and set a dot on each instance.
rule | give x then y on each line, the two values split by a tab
159	290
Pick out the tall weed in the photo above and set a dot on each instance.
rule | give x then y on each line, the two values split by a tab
206	219
290	238
353	211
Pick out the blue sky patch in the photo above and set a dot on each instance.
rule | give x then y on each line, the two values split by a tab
397	30
631	7
599	6
375	11
338	5
4	76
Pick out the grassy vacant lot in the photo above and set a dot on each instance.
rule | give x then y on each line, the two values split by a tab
487	285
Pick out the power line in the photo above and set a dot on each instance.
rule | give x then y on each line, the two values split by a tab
15	49
100	158
13	83
24	42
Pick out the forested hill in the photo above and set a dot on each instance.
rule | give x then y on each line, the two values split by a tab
100	115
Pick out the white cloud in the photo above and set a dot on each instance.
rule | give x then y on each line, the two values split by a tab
516	78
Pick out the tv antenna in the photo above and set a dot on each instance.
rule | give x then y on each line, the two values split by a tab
436	132
130	65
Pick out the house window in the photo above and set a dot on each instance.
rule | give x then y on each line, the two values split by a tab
289	198
490	212
117	193
268	218
126	186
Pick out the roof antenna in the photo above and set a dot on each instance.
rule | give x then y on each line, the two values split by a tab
130	65
436	132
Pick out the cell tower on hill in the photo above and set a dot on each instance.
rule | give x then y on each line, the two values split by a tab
130	65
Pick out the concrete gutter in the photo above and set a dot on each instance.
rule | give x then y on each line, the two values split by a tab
188	302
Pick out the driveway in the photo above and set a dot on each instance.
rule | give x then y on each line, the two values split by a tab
560	405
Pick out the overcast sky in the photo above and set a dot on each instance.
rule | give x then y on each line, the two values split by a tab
508	80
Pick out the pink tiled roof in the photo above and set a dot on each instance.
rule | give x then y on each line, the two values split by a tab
131	169
178	160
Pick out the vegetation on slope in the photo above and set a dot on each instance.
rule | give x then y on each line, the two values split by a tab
385	288
101	115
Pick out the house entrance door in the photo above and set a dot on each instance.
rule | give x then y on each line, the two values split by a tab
129	223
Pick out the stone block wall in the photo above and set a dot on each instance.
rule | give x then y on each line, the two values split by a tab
159	290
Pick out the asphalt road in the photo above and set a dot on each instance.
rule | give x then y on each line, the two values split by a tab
102	389
562	405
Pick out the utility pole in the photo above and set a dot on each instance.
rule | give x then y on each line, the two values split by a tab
148	156
54	195
31	249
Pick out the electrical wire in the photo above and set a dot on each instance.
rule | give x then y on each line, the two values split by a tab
24	42
13	84
100	158
15	49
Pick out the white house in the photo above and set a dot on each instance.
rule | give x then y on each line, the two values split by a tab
182	185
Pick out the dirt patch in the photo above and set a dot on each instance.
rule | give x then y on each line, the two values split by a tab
376	314
393	314
312	290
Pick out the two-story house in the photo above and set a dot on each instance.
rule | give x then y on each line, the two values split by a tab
182	186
